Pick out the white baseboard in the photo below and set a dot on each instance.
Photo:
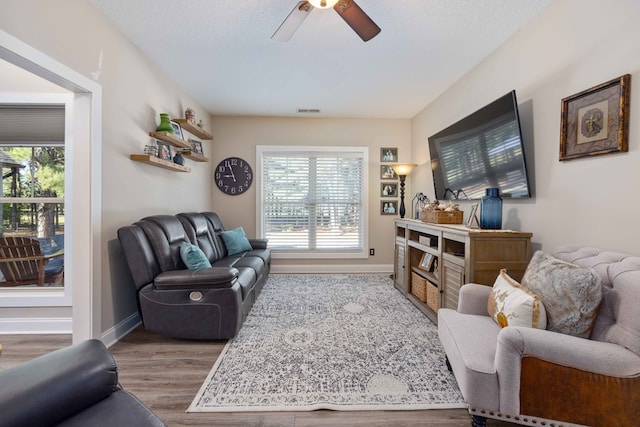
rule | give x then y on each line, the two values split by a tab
63	325
325	268
119	330
36	325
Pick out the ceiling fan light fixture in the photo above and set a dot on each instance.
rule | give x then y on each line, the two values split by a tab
323	4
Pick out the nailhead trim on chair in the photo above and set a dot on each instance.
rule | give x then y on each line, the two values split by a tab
519	419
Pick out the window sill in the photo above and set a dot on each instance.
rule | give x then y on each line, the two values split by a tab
289	254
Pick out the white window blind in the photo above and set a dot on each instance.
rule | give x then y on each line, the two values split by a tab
313	200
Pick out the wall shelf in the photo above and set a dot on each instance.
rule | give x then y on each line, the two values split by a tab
195	130
170	139
196	157
156	161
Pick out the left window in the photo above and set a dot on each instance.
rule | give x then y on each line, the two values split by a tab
32	215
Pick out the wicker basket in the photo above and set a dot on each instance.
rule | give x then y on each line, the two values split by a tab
432	296
419	286
441	217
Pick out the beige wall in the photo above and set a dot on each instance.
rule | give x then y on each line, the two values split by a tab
134	92
572	46
239	136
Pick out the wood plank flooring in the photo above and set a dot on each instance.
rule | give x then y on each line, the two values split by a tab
166	373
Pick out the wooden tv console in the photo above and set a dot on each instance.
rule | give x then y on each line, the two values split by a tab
459	255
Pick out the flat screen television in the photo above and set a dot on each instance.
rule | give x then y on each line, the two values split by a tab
482	150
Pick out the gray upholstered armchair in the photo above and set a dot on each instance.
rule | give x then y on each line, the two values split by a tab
537	377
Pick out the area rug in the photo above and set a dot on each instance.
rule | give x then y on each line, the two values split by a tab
327	341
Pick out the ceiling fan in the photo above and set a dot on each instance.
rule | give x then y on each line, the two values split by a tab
348	10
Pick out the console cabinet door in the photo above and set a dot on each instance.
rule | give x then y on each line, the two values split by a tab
399	269
453	278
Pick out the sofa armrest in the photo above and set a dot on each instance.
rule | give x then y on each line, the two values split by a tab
595	357
258	243
204	278
51	388
473	299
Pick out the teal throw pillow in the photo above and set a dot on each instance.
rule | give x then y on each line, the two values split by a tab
236	241
193	257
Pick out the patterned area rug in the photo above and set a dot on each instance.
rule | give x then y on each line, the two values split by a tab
328	341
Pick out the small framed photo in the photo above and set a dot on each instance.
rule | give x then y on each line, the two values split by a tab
427	262
388	154
164	151
196	146
596	121
387	173
388	189
389	207
177	129
473	222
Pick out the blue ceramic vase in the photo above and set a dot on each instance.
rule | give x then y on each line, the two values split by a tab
491	210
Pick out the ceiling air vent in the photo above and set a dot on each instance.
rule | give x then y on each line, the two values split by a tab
309	110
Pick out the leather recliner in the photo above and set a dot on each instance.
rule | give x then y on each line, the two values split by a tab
208	303
76	386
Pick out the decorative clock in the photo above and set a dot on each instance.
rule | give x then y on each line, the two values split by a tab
233	176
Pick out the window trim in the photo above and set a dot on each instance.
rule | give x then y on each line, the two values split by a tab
55	296
362	152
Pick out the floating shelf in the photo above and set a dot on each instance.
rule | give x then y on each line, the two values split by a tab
156	161
171	139
195	130
196	157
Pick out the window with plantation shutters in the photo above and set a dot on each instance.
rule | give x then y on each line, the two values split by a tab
313	199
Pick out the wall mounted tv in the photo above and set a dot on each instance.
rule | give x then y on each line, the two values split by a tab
482	150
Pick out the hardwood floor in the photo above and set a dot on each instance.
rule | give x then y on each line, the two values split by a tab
166	373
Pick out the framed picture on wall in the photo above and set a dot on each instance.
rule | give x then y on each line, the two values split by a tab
389	207
596	121
387	173
388	189
388	154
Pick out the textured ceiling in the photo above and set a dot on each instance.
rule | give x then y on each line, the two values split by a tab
221	52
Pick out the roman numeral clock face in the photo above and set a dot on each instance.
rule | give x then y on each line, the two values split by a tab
233	176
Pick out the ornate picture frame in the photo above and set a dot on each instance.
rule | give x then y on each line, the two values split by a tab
596	121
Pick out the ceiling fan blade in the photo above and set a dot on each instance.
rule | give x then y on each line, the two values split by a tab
292	22
357	19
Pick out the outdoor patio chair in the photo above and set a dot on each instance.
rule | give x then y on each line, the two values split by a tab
23	263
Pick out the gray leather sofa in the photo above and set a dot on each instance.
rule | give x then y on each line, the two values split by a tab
538	377
207	303
73	386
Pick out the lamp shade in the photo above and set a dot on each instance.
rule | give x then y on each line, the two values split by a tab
403	168
323	4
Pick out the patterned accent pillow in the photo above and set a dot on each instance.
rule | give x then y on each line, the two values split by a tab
511	304
570	293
